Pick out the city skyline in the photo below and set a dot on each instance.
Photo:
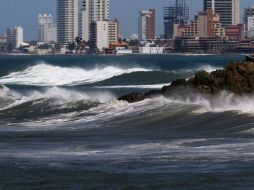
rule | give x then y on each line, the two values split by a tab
117	9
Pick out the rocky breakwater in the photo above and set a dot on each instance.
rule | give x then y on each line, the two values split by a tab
237	78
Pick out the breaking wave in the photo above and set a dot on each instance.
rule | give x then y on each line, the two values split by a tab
222	102
44	74
208	68
48	103
48	75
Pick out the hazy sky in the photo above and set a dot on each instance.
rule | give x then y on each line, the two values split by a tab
25	12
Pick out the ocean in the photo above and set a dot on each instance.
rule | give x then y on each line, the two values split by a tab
62	127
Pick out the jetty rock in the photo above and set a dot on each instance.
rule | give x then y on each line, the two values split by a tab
237	78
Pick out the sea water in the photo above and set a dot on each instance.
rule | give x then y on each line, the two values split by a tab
61	126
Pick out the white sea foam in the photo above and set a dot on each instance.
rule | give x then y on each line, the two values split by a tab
208	68
48	75
7	94
60	96
151	86
225	101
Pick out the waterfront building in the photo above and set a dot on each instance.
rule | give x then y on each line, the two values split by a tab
151	50
235	32
47	31
191	30
15	36
3	38
92	11
67	21
250	27
206	24
146	25
248	21
133	37
248	12
123	51
204	45
99	35
174	16
113	31
228	10
218	30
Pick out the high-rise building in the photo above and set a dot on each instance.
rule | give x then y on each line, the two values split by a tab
209	24
248	21
113	31
218	30
47	31
174	16
250	28
99	35
67	21
15	36
92	11
147	25
205	23
228	10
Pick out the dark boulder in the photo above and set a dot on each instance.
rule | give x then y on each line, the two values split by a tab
237	78
249	58
133	97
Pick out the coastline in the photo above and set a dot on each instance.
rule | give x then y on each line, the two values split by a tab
136	54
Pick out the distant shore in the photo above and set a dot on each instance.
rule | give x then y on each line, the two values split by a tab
136	54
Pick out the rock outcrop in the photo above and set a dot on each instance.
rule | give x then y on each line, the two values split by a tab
237	78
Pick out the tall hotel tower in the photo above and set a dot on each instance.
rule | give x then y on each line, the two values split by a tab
228	10
92	11
67	21
146	28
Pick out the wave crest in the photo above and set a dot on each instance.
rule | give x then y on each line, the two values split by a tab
222	102
47	75
49	103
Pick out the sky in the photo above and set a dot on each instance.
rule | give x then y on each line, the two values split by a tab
25	12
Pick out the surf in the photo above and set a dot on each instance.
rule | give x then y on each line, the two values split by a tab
44	74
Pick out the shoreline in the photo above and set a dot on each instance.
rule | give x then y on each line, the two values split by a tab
136	54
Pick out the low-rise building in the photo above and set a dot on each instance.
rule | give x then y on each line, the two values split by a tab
151	48
235	32
123	51
3	38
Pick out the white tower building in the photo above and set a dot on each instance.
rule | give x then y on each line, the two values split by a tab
250	26
113	31
47	31
146	25
248	21
100	35
92	11
67	21
15	36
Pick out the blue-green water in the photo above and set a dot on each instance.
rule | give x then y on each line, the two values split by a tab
61	126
